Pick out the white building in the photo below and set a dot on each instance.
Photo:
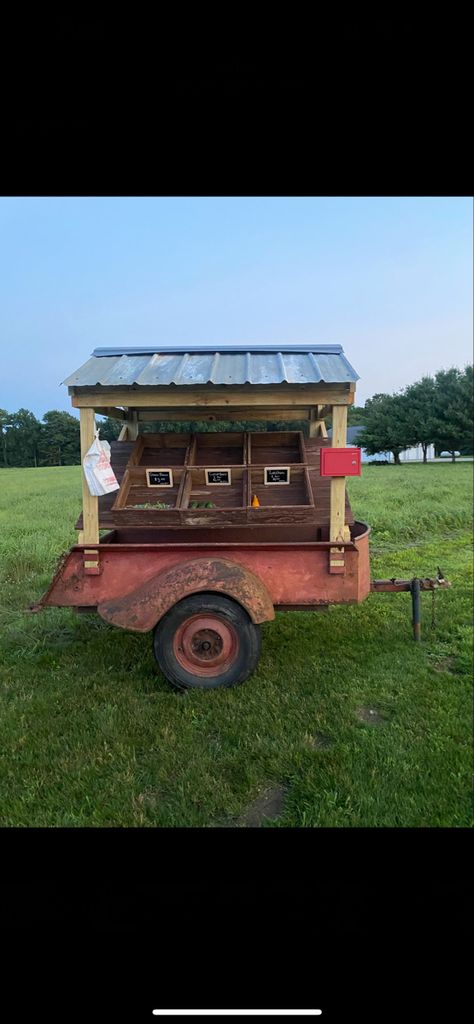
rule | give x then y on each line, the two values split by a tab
416	454
409	455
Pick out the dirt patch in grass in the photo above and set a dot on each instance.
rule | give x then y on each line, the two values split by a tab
267	806
372	716
447	664
321	742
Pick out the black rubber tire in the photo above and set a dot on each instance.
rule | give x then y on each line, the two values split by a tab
248	635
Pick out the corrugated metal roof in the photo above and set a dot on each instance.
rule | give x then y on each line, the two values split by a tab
292	364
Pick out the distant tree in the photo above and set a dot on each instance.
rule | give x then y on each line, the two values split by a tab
386	426
453	410
356	415
109	428
23	438
419	413
5	422
59	443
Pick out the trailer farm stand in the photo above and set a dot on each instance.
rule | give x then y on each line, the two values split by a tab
211	533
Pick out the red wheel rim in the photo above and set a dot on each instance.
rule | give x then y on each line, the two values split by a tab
206	645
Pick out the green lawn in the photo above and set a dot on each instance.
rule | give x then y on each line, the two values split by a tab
92	735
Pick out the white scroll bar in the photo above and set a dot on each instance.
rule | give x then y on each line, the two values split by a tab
237	1013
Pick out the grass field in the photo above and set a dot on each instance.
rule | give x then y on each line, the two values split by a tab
93	736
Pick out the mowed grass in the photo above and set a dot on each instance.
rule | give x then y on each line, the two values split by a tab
92	735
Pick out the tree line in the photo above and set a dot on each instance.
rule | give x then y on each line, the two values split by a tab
435	410
55	440
52	441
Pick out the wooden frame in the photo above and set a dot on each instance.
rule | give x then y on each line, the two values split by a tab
276	483
133	404
159	469
297	504
230	501
218	471
338	531
193	400
90	503
135	480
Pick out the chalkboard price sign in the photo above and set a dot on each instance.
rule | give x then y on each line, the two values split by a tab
218	476
159	477
277	474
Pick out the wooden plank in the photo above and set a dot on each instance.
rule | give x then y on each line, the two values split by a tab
132	424
317	426
337	529
115	414
337	510
123	436
90	506
245	413
216	397
339	426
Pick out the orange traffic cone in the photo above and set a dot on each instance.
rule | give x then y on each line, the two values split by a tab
255	502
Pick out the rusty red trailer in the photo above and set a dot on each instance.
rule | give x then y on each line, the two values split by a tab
137	583
137	586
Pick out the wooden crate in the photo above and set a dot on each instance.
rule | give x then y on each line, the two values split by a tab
230	500
284	503
135	491
161	450
276	448
218	449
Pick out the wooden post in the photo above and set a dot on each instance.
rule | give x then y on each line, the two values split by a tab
90	503
338	531
317	426
132	424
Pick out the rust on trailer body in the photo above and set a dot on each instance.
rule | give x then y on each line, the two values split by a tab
141	609
290	574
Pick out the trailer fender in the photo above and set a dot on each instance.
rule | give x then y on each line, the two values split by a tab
142	608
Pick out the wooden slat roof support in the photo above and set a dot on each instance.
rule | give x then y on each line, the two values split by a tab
211	397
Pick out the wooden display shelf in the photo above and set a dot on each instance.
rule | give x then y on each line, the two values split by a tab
276	448
305	500
229	500
284	503
218	449
135	491
161	450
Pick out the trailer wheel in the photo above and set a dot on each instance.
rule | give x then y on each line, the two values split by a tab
206	641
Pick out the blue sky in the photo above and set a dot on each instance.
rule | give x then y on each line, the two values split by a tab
390	279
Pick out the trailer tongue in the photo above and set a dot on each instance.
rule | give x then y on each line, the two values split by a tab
415	586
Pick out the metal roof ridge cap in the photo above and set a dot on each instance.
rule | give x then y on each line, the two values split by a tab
263	349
